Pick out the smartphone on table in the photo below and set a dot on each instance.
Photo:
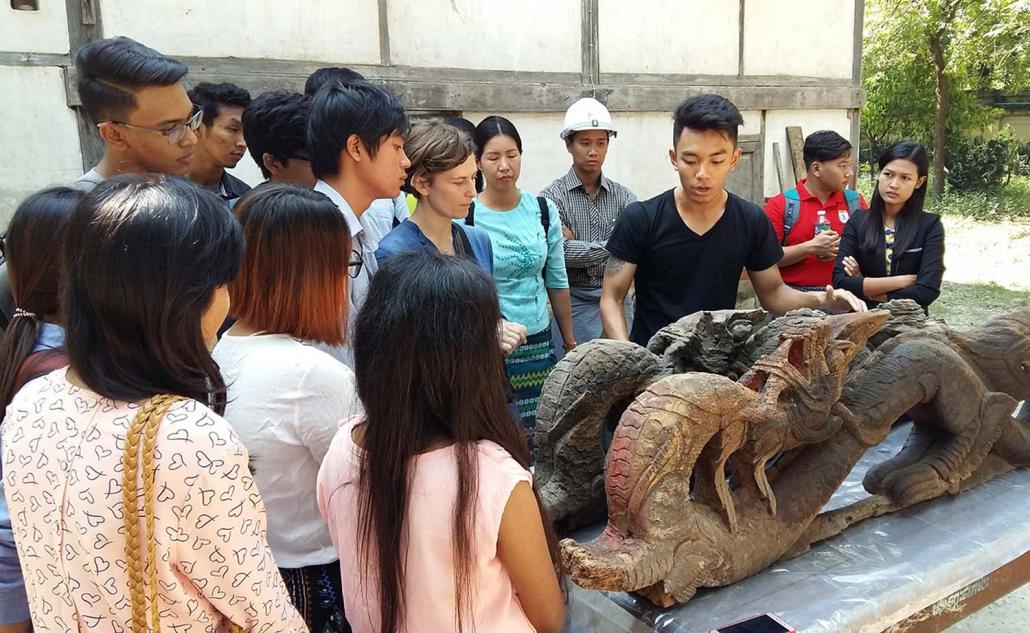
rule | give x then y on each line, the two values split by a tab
765	623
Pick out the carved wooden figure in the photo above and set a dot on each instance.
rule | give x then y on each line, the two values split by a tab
692	499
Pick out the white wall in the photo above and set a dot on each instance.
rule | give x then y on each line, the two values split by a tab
638	157
799	37
38	134
43	31
343	31
682	37
776	122
530	35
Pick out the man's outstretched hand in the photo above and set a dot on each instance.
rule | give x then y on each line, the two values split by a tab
842	300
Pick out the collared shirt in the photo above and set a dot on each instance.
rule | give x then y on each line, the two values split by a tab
810	271
409	237
51	336
384	214
88	181
230	187
591	222
364	242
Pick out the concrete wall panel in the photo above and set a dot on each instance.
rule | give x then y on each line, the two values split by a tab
684	37
43	31
341	31
38	134
799	37
529	35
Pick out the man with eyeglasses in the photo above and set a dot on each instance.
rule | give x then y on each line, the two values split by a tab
356	144
135	97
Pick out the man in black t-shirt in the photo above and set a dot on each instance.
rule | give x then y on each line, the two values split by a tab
685	249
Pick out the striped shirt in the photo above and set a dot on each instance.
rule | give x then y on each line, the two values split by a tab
591	222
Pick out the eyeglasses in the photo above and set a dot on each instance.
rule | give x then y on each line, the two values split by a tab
354	266
297	157
174	134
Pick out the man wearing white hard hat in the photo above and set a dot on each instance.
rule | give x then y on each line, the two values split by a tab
589	203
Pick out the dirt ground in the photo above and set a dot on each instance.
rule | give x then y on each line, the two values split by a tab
987	270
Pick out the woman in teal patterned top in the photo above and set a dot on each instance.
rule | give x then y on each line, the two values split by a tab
529	266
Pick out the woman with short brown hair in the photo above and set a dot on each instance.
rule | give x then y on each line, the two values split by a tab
286	397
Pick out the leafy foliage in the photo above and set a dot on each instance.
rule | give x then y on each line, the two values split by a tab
986	45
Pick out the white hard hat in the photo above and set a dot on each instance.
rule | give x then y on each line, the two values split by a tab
587	114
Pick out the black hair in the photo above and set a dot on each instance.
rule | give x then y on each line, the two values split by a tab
33	250
142	259
341	110
213	97
707	112
455	387
907	220
276	123
493	126
469	128
110	69
824	145
322	76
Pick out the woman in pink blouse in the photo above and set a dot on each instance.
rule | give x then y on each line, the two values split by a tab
429	498
146	265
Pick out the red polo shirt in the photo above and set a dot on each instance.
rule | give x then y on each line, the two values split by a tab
810	271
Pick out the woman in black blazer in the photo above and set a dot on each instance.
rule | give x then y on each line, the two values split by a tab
894	250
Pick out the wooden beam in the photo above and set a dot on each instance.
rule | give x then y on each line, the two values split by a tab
590	42
778	163
967	600
458	89
85	24
796	145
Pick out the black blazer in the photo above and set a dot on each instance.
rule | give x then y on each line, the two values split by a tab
924	258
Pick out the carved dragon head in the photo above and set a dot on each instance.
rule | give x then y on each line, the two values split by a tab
812	360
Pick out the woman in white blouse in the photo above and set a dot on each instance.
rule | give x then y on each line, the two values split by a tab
285	397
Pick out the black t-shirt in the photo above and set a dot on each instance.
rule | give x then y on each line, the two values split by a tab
680	272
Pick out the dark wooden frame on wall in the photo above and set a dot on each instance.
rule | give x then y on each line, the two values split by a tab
457	90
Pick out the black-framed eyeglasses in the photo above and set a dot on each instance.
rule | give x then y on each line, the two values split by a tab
173	134
297	157
354	266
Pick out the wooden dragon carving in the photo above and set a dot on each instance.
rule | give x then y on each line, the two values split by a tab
710	480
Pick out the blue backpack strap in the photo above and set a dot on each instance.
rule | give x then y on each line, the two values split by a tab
791	210
853	199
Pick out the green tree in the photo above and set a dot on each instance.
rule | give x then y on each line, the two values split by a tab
924	61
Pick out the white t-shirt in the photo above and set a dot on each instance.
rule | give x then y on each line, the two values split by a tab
286	400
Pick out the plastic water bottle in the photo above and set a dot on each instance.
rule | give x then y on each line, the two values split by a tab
822	224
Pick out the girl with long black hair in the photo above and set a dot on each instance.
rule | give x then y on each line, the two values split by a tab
31	346
429	498
132	499
894	250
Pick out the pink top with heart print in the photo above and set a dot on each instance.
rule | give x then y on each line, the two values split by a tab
62	454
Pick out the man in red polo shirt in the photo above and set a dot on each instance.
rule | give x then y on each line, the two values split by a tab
820	201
